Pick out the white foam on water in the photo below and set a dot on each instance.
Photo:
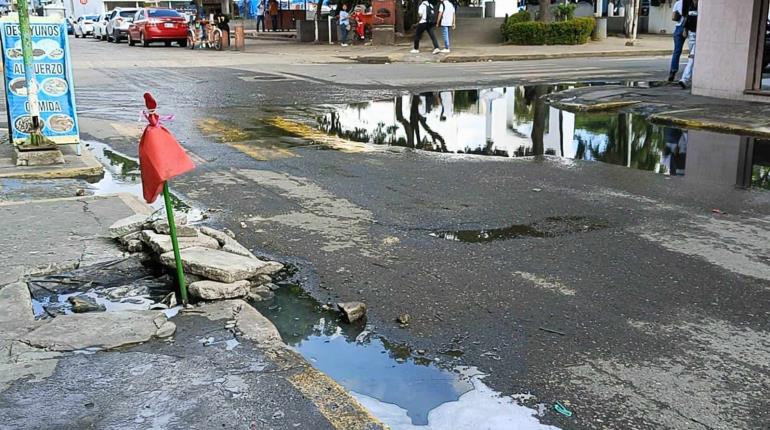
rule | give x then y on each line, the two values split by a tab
479	409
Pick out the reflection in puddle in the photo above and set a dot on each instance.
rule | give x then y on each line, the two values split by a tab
548	227
403	388
122	175
516	121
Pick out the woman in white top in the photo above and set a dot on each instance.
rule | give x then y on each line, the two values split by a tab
446	19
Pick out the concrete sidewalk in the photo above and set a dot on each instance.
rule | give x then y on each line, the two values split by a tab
215	365
668	104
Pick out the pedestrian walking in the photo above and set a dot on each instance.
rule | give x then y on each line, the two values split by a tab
261	15
427	21
446	19
679	39
272	8
690	13
344	22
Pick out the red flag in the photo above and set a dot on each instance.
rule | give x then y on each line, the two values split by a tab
160	155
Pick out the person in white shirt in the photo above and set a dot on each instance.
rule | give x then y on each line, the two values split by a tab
427	21
678	40
446	19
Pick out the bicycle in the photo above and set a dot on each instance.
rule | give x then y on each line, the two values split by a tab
204	35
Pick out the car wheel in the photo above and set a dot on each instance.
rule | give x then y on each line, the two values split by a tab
131	40
183	43
190	42
115	36
144	43
167	43
109	38
76	36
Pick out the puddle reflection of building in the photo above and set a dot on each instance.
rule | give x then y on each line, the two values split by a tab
724	159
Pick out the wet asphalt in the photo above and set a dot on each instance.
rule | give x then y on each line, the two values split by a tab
532	312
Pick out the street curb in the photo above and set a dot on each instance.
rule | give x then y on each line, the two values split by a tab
93	168
382	59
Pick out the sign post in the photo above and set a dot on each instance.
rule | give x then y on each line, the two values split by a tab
40	97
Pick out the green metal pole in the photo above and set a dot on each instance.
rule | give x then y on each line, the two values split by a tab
175	243
25	31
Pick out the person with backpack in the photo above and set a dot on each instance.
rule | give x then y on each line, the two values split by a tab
446	19
690	14
427	21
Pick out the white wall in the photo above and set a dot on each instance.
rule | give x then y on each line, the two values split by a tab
660	19
75	9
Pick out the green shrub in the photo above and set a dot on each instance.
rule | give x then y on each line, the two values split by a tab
564	11
520	16
575	31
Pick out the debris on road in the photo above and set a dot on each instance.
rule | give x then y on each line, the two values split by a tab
212	290
403	319
550	330
560	408
353	311
83	303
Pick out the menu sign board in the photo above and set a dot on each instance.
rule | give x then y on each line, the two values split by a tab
56	96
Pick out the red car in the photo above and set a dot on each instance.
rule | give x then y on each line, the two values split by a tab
158	25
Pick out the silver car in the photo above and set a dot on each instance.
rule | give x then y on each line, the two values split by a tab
117	23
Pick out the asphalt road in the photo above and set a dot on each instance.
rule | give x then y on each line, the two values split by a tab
656	318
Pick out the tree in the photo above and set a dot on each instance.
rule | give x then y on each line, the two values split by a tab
545	11
632	21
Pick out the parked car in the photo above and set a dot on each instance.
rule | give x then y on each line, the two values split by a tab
100	26
158	25
84	26
117	24
70	27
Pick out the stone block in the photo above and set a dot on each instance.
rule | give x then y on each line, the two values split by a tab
226	242
353	311
128	225
383	35
212	290
219	265
161	226
161	243
38	158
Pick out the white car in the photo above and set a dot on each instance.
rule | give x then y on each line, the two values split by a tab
84	26
100	26
117	23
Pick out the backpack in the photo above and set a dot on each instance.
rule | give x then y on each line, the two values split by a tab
430	13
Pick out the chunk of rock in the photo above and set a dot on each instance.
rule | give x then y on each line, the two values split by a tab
81	304
123	240
226	242
127	225
352	311
180	218
212	290
162	226
260	280
220	265
404	319
167	329
261	292
161	243
134	245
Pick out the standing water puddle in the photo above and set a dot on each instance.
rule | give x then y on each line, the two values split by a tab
121	175
405	389
516	121
548	227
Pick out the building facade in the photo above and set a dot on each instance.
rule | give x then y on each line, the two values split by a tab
732	50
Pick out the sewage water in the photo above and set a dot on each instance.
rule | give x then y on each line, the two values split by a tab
548	227
516	121
406	389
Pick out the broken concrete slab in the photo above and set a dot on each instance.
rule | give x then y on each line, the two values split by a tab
104	330
161	243
220	265
212	290
16	317
166	330
162	226
38	158
226	242
353	311
128	225
248	320
126	238
180	218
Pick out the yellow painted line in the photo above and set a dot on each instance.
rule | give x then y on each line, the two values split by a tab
335	404
319	137
262	153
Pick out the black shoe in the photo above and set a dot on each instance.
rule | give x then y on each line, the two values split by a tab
671	76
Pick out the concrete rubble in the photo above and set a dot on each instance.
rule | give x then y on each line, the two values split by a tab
217	265
352	311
